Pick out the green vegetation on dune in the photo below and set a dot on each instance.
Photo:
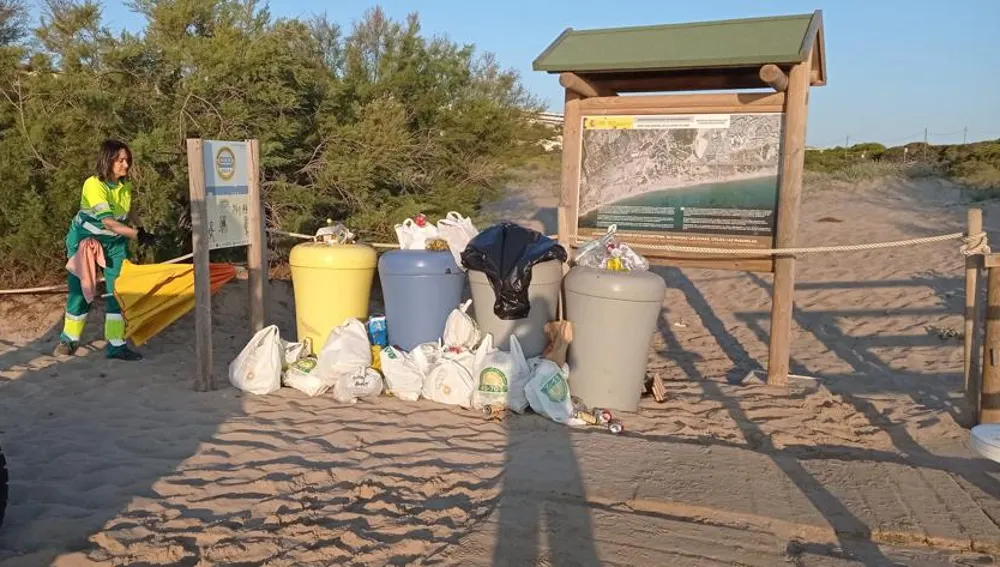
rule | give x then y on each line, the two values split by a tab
975	165
369	126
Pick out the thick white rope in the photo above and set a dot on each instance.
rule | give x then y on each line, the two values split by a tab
62	287
972	245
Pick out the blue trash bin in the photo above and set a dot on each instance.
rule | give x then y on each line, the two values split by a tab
420	289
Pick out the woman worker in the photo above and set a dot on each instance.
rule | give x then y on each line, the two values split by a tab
105	207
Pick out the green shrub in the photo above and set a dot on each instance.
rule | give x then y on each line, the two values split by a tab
367	127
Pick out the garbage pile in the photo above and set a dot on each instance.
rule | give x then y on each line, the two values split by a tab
610	253
452	233
462	367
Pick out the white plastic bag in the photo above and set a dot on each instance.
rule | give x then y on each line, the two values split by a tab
346	349
466	359
402	375
500	376
363	383
548	393
426	356
257	369
450	382
293	352
457	232
460	330
304	377
412	236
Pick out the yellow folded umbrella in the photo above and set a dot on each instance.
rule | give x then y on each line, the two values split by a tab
152	296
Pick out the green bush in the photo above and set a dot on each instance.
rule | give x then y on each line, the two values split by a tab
367	127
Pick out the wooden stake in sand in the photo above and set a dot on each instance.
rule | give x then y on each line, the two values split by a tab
990	401
973	264
202	278
224	182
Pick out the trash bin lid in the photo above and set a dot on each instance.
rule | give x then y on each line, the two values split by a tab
417	263
985	440
622	286
547	272
333	256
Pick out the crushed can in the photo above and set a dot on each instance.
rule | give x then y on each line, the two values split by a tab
494	412
378	333
603	416
616	426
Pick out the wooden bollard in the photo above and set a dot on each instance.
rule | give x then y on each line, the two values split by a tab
989	411
972	376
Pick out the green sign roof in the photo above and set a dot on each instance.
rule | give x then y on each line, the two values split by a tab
702	45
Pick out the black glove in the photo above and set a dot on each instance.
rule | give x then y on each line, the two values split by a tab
145	238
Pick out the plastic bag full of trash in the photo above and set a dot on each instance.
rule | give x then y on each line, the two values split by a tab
362	383
403	376
413	234
548	393
500	376
609	253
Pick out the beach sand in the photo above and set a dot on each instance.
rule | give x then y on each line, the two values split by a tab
123	464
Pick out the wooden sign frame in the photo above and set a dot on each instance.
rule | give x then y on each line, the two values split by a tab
677	104
257	256
789	96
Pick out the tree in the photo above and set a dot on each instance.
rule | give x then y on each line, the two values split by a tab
367	127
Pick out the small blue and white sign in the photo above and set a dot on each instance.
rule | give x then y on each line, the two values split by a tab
227	193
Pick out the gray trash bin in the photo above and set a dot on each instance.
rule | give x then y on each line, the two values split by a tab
614	317
420	288
543	296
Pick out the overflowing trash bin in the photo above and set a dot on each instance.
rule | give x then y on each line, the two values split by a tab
332	283
515	275
614	316
543	299
420	289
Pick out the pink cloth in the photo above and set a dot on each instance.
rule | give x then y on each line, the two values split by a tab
84	264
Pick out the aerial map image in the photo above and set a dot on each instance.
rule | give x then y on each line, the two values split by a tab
695	174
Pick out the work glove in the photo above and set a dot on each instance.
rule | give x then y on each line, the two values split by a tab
145	238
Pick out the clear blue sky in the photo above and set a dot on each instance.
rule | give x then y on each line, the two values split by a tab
895	67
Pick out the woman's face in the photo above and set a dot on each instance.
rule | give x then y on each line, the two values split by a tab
120	167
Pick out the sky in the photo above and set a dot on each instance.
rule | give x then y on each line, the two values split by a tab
896	68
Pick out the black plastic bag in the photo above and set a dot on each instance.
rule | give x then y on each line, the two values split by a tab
505	253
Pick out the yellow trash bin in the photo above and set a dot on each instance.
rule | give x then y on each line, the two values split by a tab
332	283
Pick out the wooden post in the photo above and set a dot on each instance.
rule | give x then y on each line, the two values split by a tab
971	354
774	77
257	262
572	147
583	87
789	196
989	411
562	225
203	381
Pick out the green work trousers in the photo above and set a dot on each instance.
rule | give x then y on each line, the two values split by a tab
77	307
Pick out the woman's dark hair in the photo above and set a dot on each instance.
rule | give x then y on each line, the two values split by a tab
106	159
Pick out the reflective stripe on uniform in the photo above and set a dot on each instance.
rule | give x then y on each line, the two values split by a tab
73	326
114	329
95	230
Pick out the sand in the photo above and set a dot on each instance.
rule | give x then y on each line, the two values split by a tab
123	464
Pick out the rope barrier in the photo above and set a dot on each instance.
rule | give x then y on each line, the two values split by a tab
62	287
972	245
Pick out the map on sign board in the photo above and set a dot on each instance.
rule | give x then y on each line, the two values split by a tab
690	180
227	193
